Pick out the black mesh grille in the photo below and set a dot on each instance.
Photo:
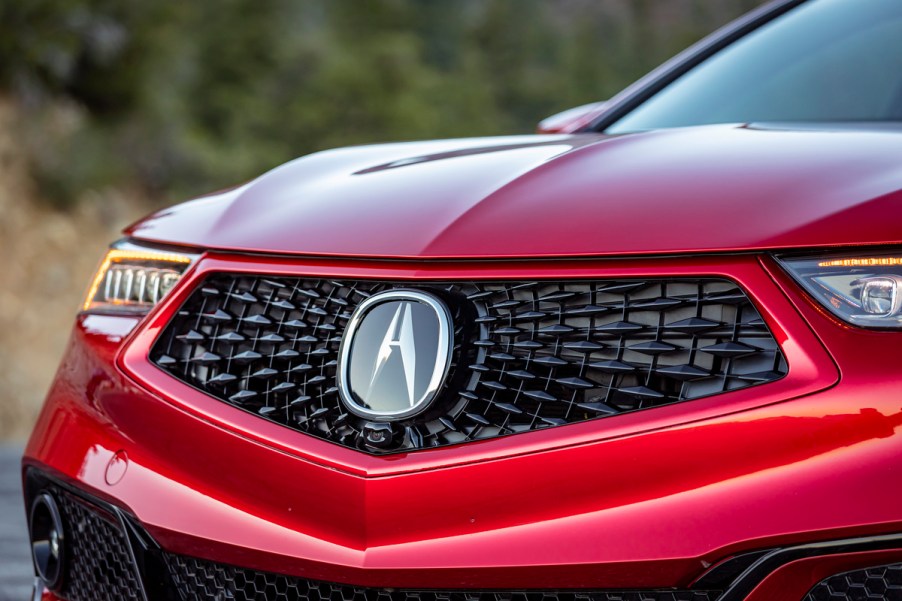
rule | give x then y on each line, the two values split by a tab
874	584
527	355
98	564
203	581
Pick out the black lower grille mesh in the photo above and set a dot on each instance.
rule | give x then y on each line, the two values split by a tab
204	581
873	584
98	564
527	355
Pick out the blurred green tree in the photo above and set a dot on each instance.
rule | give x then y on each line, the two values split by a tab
175	98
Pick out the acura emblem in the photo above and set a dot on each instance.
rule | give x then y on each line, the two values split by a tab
394	355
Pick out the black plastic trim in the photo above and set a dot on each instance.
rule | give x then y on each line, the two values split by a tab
722	574
766	565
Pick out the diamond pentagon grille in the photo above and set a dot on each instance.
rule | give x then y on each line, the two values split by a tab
197	580
527	355
878	584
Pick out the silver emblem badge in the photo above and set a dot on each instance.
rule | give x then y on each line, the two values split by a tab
394	355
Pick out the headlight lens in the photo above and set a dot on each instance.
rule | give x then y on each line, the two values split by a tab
132	279
864	290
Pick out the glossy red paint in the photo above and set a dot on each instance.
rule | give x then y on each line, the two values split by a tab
713	188
648	499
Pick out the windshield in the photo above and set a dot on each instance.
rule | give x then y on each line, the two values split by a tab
824	61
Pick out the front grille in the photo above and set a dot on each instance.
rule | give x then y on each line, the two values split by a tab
98	564
197	580
527	355
878	584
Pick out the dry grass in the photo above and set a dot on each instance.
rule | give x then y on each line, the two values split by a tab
46	259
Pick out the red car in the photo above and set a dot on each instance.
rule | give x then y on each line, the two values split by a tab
652	357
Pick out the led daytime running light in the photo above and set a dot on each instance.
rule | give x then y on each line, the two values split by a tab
117	256
863	262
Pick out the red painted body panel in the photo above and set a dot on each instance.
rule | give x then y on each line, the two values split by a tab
649	499
713	188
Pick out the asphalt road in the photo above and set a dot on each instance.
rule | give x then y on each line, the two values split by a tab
15	564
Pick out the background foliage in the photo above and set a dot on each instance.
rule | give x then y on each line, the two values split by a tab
180	97
111	107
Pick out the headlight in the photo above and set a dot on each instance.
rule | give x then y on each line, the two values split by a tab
132	279
864	290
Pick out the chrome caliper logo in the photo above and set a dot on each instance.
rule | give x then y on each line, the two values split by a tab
395	355
399	338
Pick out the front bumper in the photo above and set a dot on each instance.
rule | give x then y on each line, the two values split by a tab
649	500
112	557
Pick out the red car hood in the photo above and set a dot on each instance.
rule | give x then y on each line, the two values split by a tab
714	188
